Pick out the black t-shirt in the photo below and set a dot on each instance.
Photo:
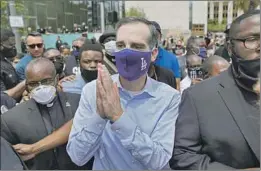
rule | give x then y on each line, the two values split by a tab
165	76
8	77
72	66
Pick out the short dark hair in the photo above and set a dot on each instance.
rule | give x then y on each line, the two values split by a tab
33	34
6	34
46	52
235	24
91	46
153	39
207	65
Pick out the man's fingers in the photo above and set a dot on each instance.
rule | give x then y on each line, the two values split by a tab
101	91
106	80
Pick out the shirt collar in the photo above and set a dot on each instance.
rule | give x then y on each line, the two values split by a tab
148	89
160	52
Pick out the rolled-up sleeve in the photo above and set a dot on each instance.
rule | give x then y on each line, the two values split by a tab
155	150
87	128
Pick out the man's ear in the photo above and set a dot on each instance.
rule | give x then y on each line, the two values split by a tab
154	54
229	47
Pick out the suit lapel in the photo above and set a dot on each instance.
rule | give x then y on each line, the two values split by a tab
236	104
36	121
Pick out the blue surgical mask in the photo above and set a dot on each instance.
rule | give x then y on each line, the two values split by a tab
203	52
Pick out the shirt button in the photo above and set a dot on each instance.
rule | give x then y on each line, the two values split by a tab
117	130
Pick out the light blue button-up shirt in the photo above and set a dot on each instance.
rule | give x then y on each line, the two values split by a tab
74	86
142	138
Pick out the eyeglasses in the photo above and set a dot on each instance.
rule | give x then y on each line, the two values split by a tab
32	85
32	46
251	43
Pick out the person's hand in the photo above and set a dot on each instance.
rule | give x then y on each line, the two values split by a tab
196	81
109	99
25	151
68	78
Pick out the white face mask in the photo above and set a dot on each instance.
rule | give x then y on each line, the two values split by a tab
110	47
44	94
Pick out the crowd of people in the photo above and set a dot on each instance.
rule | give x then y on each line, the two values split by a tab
130	101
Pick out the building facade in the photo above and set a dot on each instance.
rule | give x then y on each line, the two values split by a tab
59	13
175	17
223	11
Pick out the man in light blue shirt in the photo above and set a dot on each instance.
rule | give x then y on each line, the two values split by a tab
126	121
90	55
35	46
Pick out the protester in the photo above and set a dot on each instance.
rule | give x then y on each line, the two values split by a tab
58	42
9	79
107	39
166	59
179	50
72	65
65	51
47	110
55	56
218	126
214	65
222	50
108	117
194	72
90	55
10	160
35	46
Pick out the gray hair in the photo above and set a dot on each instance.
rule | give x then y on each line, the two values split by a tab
41	62
153	40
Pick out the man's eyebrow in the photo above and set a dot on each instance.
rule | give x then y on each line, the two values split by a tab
118	42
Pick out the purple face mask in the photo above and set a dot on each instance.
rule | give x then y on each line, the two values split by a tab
132	64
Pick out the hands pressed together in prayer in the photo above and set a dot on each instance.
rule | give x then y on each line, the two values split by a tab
107	96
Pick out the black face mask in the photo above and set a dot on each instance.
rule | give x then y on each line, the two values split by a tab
9	52
111	58
58	66
245	71
89	75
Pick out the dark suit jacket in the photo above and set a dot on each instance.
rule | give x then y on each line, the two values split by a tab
10	160
213	130
24	124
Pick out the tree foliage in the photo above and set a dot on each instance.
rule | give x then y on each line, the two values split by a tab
135	12
246	5
5	12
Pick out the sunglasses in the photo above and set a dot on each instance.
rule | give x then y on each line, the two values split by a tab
32	46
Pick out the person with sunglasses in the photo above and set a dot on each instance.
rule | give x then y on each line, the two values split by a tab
35	47
218	127
46	111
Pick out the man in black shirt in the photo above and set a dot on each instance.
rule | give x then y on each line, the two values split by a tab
9	80
72	65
